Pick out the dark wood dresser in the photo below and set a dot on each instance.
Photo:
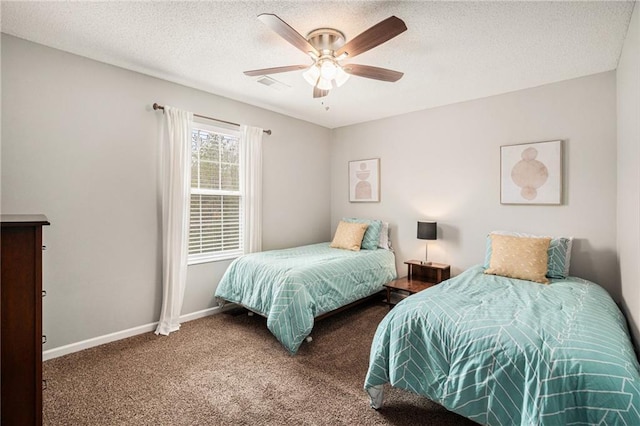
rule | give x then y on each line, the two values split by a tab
21	329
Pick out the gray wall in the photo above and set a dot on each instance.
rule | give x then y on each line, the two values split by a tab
444	164
80	144
628	79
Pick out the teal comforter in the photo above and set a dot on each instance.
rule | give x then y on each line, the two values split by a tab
293	286
502	351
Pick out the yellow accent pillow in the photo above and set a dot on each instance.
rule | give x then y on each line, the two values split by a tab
519	257
349	236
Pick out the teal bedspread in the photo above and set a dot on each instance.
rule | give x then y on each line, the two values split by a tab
502	351
293	286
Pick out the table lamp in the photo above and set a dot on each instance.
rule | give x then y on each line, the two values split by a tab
427	231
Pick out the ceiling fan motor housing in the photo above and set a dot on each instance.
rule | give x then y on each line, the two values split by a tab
326	39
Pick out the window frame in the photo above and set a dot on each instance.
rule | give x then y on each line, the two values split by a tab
199	258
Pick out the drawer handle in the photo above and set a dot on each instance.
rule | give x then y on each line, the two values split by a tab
44	293
44	339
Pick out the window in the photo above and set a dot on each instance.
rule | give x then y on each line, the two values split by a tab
215	229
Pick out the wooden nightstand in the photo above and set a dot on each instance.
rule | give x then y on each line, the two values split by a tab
433	272
420	277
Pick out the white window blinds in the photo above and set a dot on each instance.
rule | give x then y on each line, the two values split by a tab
215	230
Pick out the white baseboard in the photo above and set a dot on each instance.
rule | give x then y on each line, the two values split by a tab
119	335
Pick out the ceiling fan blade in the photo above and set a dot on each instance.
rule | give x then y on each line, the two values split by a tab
287	32
375	73
374	36
275	70
319	93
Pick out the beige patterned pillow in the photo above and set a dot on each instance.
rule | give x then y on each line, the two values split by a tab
349	236
519	257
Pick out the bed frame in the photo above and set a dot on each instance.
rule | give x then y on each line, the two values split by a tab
241	309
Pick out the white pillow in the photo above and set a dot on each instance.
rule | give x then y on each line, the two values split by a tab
385	237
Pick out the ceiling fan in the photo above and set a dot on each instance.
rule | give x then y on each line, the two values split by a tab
327	47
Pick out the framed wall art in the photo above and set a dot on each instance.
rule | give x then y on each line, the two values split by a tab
531	173
364	181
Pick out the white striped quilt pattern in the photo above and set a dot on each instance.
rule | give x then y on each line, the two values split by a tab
293	286
503	351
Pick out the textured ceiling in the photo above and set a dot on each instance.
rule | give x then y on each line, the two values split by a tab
451	52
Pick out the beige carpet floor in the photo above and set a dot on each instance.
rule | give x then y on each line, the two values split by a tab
229	370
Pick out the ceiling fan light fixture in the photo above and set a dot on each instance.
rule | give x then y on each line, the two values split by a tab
328	69
311	75
341	76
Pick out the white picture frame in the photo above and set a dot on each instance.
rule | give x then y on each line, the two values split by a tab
531	173
364	181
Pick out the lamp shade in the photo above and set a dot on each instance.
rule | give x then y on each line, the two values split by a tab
312	74
341	77
427	230
324	84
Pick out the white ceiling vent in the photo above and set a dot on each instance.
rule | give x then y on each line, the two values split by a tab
273	83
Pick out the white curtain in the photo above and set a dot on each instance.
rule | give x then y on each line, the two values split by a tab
176	183
251	183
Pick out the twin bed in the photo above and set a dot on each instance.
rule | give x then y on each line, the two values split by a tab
487	344
293	287
514	342
503	351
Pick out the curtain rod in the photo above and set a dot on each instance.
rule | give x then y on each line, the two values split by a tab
156	106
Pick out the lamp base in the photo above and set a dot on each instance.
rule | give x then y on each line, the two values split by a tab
425	262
